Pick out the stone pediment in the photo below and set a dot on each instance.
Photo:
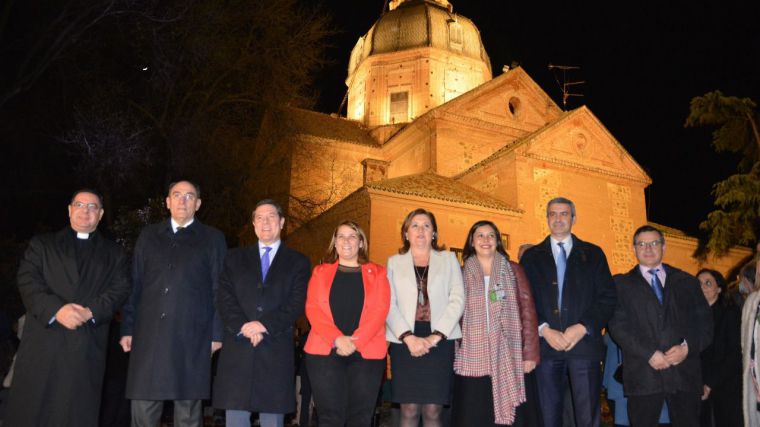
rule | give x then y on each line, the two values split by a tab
512	99
576	140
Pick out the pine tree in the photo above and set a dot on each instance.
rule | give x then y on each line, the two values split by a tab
737	198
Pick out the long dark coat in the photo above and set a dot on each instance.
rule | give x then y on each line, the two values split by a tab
170	314
59	372
261	378
588	295
722	364
641	326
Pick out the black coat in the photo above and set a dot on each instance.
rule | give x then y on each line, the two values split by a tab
59	372
588	295
641	326
170	314
722	361
261	378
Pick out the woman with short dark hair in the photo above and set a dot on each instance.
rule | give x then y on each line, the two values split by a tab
721	361
427	299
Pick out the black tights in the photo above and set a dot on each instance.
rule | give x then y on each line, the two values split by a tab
431	414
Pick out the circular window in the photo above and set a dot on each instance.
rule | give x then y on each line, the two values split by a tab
515	106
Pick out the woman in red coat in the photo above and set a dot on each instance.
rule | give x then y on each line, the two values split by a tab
346	304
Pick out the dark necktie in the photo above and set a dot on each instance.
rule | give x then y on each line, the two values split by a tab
265	262
656	284
179	228
561	267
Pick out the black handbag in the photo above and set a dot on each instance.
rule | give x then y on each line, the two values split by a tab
618	374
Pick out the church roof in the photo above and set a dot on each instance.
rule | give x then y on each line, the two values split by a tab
505	78
668	230
434	186
637	173
329	128
511	147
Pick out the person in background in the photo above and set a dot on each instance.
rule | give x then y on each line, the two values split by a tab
746	279
721	360
750	336
427	300
347	303
499	347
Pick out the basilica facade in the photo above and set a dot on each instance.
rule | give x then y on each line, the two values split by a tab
427	125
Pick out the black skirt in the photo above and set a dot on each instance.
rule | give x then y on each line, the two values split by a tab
473	403
425	379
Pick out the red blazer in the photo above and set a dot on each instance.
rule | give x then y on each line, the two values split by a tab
370	335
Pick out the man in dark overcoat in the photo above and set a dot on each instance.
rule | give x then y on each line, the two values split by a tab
261	294
662	323
71	282
170	325
575	297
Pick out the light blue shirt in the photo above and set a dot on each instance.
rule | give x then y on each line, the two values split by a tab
275	246
568	243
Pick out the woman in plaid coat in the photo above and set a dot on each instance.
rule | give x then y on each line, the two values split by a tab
499	337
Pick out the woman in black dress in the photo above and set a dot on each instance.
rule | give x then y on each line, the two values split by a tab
721	361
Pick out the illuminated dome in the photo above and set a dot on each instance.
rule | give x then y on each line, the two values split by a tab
412	24
417	56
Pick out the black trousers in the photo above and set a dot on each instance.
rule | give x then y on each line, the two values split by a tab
345	388
147	413
683	407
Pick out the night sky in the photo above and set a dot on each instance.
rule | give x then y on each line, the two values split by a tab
642	65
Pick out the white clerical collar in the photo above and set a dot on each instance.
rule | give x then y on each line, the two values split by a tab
175	224
83	236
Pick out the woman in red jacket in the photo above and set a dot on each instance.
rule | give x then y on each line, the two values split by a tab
346	304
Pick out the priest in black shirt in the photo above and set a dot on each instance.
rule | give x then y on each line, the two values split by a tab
71	282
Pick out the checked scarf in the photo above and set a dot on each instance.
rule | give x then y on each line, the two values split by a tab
496	352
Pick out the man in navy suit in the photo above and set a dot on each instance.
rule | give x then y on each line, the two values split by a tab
575	297
262	291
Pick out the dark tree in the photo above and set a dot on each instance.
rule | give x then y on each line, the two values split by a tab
736	219
127	95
